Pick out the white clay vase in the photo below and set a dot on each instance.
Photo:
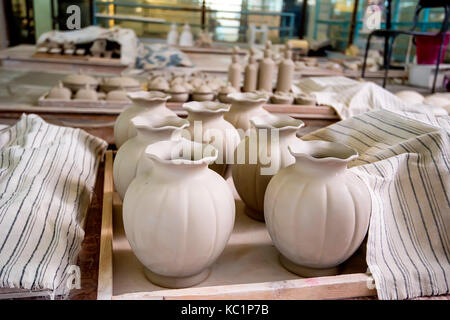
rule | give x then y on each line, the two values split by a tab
251	75
172	36
207	125
244	106
271	137
179	215
286	71
235	70
152	102
186	38
316	210
150	129
266	72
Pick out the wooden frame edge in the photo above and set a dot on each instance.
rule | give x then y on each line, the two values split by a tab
334	287
105	265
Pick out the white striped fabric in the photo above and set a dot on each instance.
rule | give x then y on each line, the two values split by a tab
349	97
47	174
406	165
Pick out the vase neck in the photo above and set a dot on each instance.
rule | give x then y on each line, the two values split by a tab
148	136
205	116
319	167
322	158
147	105
171	172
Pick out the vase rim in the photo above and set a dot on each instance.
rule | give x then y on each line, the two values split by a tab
320	151
206	106
279	122
159	123
169	152
252	97
153	96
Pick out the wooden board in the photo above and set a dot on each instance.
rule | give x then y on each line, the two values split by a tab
23	57
247	269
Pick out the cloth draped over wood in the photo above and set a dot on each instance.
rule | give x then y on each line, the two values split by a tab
47	176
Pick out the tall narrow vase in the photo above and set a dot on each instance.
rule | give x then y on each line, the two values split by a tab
263	153
148	103
317	212
178	216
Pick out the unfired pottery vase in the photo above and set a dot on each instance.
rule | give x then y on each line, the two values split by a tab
273	134
286	71
244	106
251	75
150	129
235	72
152	102
266	72
316	211
179	215
207	125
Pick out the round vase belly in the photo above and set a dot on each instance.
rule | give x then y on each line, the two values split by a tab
317	212
150	103
207	125
150	129
179	215
271	136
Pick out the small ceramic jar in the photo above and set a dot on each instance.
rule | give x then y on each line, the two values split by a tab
79	81
115	83
203	93
177	80
305	99
59	93
196	81
117	95
280	97
159	84
178	93
224	91
86	94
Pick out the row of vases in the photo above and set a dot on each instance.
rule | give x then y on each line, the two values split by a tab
179	214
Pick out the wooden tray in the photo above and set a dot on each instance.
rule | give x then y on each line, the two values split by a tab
247	269
85	104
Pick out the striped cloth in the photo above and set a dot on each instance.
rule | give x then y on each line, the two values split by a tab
350	97
404	159
47	174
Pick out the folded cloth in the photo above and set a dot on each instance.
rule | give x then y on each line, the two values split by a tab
47	175
404	160
155	56
349	97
